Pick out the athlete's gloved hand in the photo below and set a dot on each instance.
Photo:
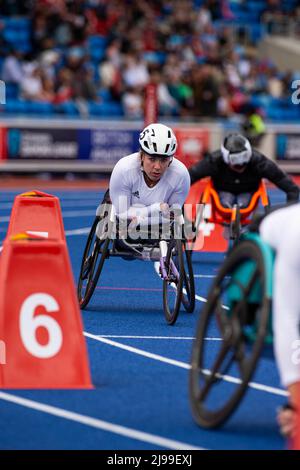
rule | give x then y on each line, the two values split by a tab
164	208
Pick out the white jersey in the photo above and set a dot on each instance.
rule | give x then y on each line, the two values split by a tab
282	231
130	195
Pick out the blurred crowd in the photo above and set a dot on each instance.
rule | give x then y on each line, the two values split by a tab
95	50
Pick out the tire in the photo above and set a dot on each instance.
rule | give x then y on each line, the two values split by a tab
188	294
213	395
171	305
95	253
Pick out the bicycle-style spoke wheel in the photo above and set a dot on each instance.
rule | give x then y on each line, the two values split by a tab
188	292
230	336
94	255
172	289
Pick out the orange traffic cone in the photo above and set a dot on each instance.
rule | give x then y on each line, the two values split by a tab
40	322
37	213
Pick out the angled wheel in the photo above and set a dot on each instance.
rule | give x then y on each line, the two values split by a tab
188	293
172	289
230	336
95	253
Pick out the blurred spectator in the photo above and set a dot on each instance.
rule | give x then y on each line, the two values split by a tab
273	16
135	73
203	19
75	59
109	70
34	87
205	90
48	61
132	102
84	86
4	45
64	88
39	32
167	105
224	107
203	70
84	90
274	83
180	91
253	126
12	70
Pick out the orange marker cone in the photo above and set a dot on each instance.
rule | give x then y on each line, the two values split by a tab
38	214
40	322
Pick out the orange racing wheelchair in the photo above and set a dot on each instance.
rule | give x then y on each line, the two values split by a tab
235	218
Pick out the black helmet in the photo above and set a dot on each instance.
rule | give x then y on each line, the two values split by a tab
236	150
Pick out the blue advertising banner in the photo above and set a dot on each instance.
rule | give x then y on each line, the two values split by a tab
42	144
106	145
288	147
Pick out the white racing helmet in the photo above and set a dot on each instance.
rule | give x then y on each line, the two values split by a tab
236	150
158	139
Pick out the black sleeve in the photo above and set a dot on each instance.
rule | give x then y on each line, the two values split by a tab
201	170
271	171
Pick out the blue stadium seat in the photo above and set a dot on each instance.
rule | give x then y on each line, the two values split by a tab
97	53
261	101
283	114
69	108
256	6
15	107
17	23
97	46
99	41
105	95
40	108
12	90
106	109
152	57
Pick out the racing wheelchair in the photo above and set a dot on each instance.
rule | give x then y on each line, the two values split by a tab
234	330
235	218
106	240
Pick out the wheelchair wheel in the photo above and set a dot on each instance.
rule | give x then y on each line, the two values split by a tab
188	294
95	253
172	290
230	336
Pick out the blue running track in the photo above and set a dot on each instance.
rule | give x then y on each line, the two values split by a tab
139	365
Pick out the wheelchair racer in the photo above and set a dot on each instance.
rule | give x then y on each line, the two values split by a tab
281	230
146	185
236	170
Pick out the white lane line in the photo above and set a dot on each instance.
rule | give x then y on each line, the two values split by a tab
183	365
140	352
156	337
63	203
78	213
97	423
64	214
68	233
77	231
208	276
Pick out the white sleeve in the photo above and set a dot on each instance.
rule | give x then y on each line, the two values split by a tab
286	309
120	189
179	195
